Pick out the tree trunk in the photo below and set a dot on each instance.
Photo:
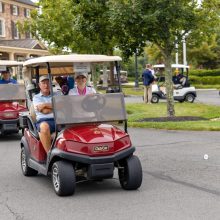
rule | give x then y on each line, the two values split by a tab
169	85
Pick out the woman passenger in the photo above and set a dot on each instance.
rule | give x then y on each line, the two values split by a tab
80	87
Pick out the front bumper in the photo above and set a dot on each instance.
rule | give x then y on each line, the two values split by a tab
11	125
98	167
92	160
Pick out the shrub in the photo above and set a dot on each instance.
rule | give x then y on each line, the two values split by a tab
204	73
206	80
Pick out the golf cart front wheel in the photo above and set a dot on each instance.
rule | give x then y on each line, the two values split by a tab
130	174
63	178
190	98
155	99
26	170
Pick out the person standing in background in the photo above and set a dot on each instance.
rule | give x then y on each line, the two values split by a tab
148	79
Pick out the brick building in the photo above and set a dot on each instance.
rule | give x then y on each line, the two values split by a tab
14	45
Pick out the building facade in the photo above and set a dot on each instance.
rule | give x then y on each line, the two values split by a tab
14	45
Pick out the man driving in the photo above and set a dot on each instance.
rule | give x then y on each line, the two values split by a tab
44	114
179	80
6	77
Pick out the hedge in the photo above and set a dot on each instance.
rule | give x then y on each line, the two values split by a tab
204	73
205	80
200	76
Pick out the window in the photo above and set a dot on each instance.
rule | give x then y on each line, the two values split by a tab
27	12
1	7
28	35
14	10
2	27
15	33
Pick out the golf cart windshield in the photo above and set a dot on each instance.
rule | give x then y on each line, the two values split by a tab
12	92
89	108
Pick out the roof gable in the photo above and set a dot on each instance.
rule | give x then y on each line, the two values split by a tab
23	43
27	2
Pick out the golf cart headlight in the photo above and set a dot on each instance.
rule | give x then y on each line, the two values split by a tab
122	143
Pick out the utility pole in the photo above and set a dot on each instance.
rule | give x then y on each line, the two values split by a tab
177	55
136	85
184	50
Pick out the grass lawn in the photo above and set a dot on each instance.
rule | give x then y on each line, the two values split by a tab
210	113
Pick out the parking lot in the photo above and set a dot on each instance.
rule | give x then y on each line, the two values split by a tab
178	183
210	96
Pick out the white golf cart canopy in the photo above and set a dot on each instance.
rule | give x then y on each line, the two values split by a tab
10	63
178	66
61	60
66	64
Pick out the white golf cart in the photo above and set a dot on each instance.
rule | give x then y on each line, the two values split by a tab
182	92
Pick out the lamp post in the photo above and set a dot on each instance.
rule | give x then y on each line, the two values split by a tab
136	85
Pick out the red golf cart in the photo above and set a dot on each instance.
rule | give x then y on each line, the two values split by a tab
12	102
87	144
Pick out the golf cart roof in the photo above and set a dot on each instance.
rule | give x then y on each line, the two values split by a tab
173	66
10	63
67	60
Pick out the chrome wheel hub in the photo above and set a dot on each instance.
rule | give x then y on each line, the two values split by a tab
23	160
56	179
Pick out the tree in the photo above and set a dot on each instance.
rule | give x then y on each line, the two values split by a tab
164	23
77	26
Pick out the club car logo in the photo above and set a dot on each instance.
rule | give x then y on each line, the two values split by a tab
101	148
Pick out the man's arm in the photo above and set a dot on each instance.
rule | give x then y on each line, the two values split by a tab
44	108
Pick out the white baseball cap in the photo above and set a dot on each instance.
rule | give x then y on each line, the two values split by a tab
42	78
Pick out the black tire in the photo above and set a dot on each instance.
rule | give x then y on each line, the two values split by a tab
26	170
190	98
155	98
63	178
130	176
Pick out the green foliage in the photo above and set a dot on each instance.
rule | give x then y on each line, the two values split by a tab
206	80
204	72
79	26
164	23
205	55
205	77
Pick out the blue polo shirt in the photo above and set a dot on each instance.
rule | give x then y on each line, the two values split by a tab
40	99
10	81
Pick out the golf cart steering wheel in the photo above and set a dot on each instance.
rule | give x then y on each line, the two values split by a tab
93	103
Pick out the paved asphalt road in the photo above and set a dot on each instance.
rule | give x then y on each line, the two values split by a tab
204	96
178	183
